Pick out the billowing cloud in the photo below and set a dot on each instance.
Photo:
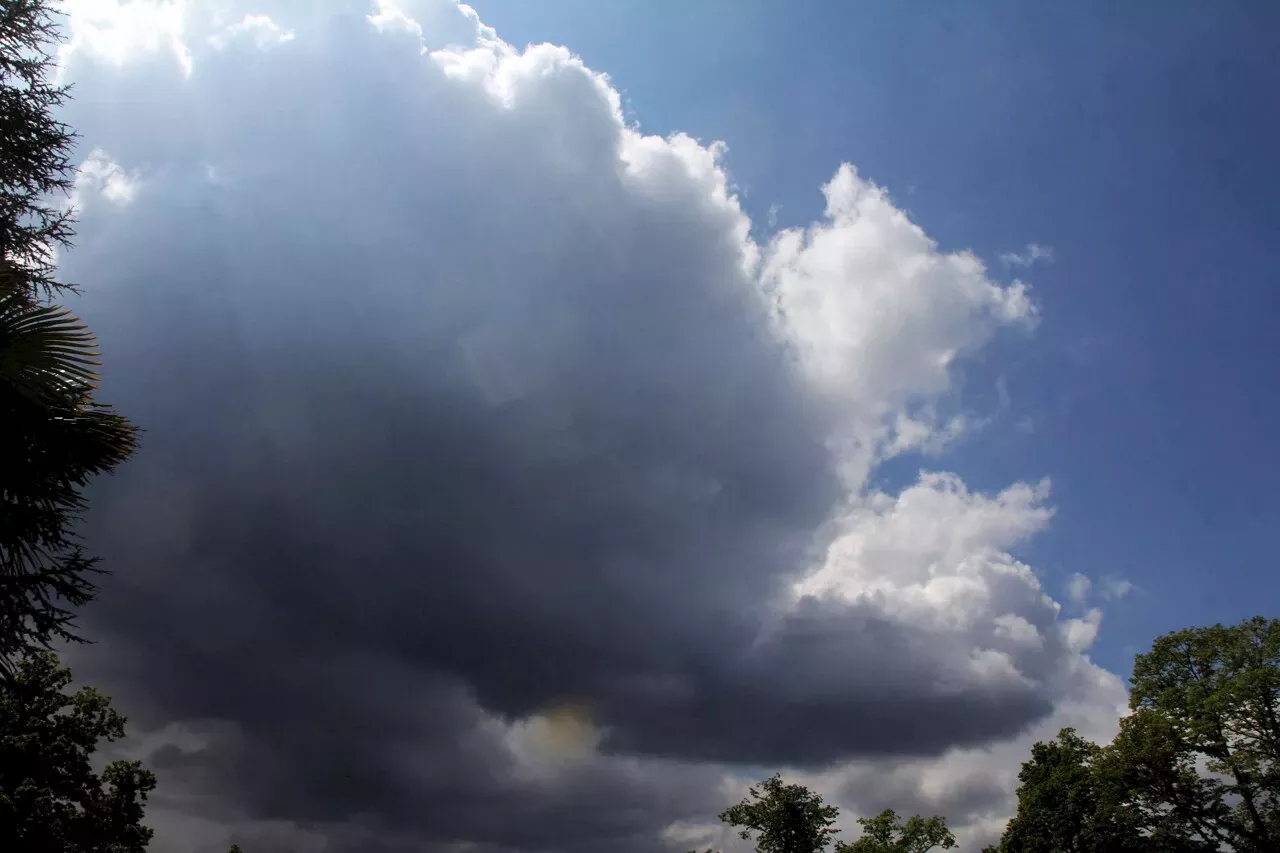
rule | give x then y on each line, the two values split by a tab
497	487
878	316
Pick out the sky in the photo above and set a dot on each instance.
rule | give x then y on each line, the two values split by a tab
544	442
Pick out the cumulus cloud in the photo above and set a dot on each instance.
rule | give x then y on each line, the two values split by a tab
878	315
498	487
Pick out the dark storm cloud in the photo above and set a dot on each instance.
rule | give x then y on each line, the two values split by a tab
447	409
435	774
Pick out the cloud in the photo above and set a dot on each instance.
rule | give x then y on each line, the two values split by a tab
498	487
1110	588
1114	589
1078	588
1033	254
973	786
260	29
878	315
114	32
100	175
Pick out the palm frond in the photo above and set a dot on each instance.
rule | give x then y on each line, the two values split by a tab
46	353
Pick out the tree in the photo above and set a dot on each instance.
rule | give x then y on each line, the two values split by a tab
786	818
793	819
1149	768
35	148
1063	807
51	801
53	435
1195	767
1210	696
885	834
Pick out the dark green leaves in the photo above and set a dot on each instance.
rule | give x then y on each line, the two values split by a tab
51	801
1062	806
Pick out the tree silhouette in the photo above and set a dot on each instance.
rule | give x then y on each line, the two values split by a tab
51	801
53	435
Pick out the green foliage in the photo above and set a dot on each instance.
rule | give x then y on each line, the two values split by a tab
1063	807
884	833
1194	769
793	819
55	436
1211	695
51	801
1150	770
785	818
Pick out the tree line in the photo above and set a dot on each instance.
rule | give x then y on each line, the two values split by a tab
1195	766
55	436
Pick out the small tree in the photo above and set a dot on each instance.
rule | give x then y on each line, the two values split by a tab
884	833
793	819
51	801
786	818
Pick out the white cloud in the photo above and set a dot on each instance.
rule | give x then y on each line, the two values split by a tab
926	433
259	29
1110	588
1114	589
390	16
528	175
1080	633
878	313
1078	587
936	554
117	31
100	175
1034	253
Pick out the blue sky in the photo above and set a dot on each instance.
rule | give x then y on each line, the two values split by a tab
557	468
1136	140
